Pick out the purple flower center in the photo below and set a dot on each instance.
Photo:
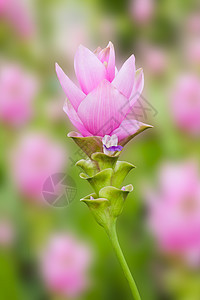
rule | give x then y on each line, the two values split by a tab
114	148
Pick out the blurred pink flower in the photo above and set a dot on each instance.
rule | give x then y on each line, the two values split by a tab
174	211
185	103
192	51
17	92
35	158
7	232
106	96
155	58
64	265
193	23
142	11
18	15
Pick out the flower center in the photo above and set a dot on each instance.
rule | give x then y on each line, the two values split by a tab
110	144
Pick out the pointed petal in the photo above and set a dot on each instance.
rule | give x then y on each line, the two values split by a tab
73	93
137	87
103	109
108	55
89	69
74	118
124	79
128	129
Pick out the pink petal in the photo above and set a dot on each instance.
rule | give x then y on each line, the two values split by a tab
103	109
73	93
128	128
138	86
72	115
108	55
89	69
124	79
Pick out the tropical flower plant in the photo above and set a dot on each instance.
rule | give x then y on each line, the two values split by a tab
102	110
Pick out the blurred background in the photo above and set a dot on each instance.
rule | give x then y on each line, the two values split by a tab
58	252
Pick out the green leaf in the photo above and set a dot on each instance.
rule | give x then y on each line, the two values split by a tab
99	209
88	144
121	170
88	166
101	179
116	198
140	128
104	161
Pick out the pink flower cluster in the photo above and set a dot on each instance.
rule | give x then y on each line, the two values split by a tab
64	265
174	211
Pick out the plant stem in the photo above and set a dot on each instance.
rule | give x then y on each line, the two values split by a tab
111	231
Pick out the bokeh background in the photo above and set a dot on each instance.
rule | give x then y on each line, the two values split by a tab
40	244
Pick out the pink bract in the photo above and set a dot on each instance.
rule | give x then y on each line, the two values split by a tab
103	103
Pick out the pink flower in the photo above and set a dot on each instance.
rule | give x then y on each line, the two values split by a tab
142	10
64	265
174	211
155	59
185	104
192	51
193	23
17	92
18	15
102	104
35	158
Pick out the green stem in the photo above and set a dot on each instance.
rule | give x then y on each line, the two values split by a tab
111	231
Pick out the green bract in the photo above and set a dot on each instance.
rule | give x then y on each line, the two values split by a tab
106	175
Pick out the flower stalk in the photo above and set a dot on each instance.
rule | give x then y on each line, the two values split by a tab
112	234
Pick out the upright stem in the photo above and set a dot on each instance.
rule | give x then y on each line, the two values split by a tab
111	231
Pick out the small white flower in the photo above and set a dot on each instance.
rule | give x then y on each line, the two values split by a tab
110	144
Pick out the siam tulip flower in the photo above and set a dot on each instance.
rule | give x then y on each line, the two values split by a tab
35	158
18	15
17	92
102	111
65	262
103	103
174	211
185	104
